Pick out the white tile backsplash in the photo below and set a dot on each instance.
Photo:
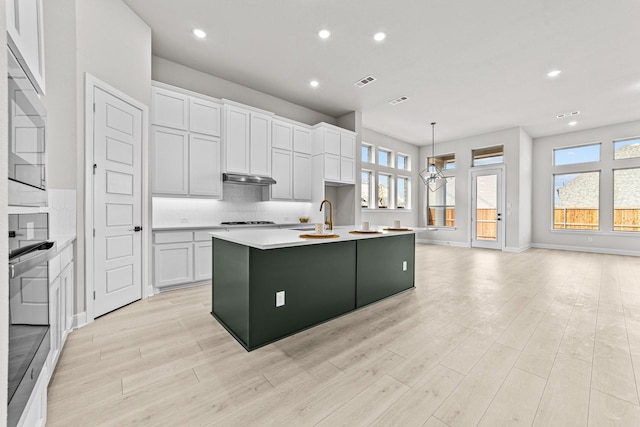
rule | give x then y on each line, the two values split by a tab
62	213
240	203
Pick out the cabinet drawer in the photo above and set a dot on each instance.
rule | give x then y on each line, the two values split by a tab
173	237
202	236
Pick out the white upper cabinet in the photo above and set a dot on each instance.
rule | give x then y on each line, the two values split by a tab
281	135
186	144
260	145
338	148
302	140
282	173
204	117
170	162
169	109
301	176
26	38
204	166
247	138
236	139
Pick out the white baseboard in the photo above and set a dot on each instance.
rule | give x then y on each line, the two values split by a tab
516	250
79	320
444	243
583	249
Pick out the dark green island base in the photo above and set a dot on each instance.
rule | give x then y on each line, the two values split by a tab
321	282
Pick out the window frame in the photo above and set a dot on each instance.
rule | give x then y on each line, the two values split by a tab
553	198
372	187
371	150
407	192
613	205
390	157
390	195
572	147
488	150
427	206
623	140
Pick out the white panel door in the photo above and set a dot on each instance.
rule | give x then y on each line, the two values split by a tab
170	164
347	170
281	163
281	135
169	109
204	117
260	145
301	176
236	140
117	203
205	178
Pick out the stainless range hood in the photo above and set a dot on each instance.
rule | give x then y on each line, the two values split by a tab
234	178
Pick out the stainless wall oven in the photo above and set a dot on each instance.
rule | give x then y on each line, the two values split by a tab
27	139
29	340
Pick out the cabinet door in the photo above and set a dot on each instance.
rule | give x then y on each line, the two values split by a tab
172	264
347	145
281	165
204	117
68	280
202	259
301	140
281	135
332	167
54	321
170	161
236	139
260	146
301	176
26	38
331	142
347	170
205	178
169	108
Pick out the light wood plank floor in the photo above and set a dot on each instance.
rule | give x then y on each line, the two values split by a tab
544	338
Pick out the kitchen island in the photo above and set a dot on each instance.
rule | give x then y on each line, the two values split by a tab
272	283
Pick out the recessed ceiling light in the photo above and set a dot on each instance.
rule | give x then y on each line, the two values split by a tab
313	83
324	34
572	123
379	36
554	73
199	33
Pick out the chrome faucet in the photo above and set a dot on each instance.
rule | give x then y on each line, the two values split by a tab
330	222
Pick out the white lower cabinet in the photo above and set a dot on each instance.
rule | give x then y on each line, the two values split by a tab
55	323
181	257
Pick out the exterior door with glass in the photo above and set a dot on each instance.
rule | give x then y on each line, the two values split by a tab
487	222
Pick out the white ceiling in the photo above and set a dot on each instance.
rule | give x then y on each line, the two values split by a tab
472	66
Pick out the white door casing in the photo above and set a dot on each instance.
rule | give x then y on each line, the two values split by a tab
487	198
117	202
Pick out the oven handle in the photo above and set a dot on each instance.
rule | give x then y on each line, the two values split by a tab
48	251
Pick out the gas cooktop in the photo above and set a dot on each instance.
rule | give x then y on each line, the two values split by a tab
246	222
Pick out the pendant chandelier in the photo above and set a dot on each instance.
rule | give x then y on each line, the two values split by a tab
432	176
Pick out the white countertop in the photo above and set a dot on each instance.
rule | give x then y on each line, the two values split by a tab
284	238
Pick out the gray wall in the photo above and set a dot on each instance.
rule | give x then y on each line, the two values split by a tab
4	228
603	240
175	74
517	179
408	217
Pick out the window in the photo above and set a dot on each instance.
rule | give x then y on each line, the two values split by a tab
365	190
366	153
403	162
444	162
626	149
383	190
384	157
441	205
574	155
488	156
576	201
626	199
402	194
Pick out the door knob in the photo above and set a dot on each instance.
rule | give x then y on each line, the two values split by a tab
137	228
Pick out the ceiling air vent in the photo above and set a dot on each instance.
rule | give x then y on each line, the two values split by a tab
574	113
398	100
365	81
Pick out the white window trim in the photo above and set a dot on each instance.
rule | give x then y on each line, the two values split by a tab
408	191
